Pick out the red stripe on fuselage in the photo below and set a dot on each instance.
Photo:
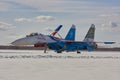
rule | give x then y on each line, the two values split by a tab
41	38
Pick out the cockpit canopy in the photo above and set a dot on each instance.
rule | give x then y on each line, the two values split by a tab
32	34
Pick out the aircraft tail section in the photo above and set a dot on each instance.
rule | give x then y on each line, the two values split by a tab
56	30
90	34
71	33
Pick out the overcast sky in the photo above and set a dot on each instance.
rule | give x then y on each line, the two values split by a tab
19	18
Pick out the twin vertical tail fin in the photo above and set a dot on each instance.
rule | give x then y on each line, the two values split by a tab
90	34
56	30
71	33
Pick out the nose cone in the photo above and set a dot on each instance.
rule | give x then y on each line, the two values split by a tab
21	41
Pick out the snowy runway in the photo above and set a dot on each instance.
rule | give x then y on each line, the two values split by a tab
35	65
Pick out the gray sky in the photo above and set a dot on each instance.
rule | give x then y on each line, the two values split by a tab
21	17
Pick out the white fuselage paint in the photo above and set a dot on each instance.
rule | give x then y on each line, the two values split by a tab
31	40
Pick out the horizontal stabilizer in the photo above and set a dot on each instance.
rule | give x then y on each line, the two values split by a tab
109	42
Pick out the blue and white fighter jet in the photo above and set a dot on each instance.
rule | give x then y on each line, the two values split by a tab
59	45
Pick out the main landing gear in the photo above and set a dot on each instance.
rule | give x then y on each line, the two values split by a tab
78	52
59	51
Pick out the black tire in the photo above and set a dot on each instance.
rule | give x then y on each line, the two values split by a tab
59	51
78	52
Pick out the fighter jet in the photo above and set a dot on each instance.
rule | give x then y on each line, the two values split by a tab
59	45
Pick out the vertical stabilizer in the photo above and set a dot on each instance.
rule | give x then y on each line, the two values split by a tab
56	30
71	33
90	34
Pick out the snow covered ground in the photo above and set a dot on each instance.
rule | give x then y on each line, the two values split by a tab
35	65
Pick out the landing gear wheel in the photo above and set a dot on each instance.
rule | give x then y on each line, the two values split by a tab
59	51
78	52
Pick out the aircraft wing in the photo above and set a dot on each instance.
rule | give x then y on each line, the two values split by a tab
70	41
85	45
106	42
